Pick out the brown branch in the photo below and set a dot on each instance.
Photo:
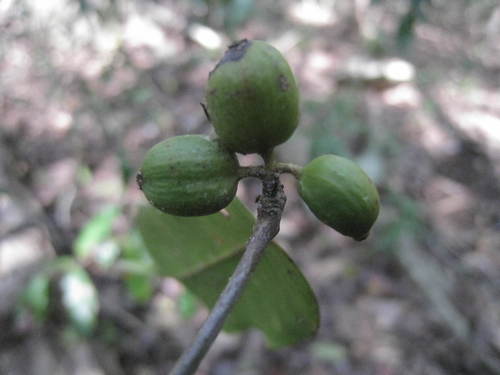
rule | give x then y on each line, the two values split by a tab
271	204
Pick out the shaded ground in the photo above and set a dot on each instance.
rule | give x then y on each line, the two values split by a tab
87	88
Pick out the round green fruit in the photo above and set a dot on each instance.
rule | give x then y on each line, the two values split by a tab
189	176
252	98
340	194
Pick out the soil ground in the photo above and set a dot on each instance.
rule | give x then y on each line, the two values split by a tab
87	87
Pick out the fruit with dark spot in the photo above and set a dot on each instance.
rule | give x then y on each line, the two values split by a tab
340	194
252	98
189	176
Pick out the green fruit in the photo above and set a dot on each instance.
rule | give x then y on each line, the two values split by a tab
189	176
340	194
252	98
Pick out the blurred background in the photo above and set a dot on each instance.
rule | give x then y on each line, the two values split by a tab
410	89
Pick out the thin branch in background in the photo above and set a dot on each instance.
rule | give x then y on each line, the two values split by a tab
271	204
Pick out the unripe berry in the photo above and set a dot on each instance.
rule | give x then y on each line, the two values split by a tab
340	194
252	98
189	176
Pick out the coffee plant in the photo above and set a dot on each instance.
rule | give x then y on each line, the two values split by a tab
252	100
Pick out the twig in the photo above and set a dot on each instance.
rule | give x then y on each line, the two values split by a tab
290	168
260	171
271	205
257	171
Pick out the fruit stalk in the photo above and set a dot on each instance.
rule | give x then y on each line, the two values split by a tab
260	171
290	168
271	204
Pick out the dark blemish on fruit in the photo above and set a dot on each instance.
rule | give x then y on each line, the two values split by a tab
140	179
235	52
283	83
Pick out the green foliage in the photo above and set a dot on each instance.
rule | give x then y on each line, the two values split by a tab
138	267
406	220
139	286
329	352
329	134
78	294
80	299
406	28
36	296
231	14
203	252
237	12
97	229
188	304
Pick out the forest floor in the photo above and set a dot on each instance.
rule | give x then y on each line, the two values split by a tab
86	88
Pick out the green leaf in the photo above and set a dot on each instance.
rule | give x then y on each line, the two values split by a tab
139	286
127	170
137	266
406	29
188	305
106	254
95	231
182	246
79	298
36	295
134	250
237	12
327	144
203	252
407	221
329	352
